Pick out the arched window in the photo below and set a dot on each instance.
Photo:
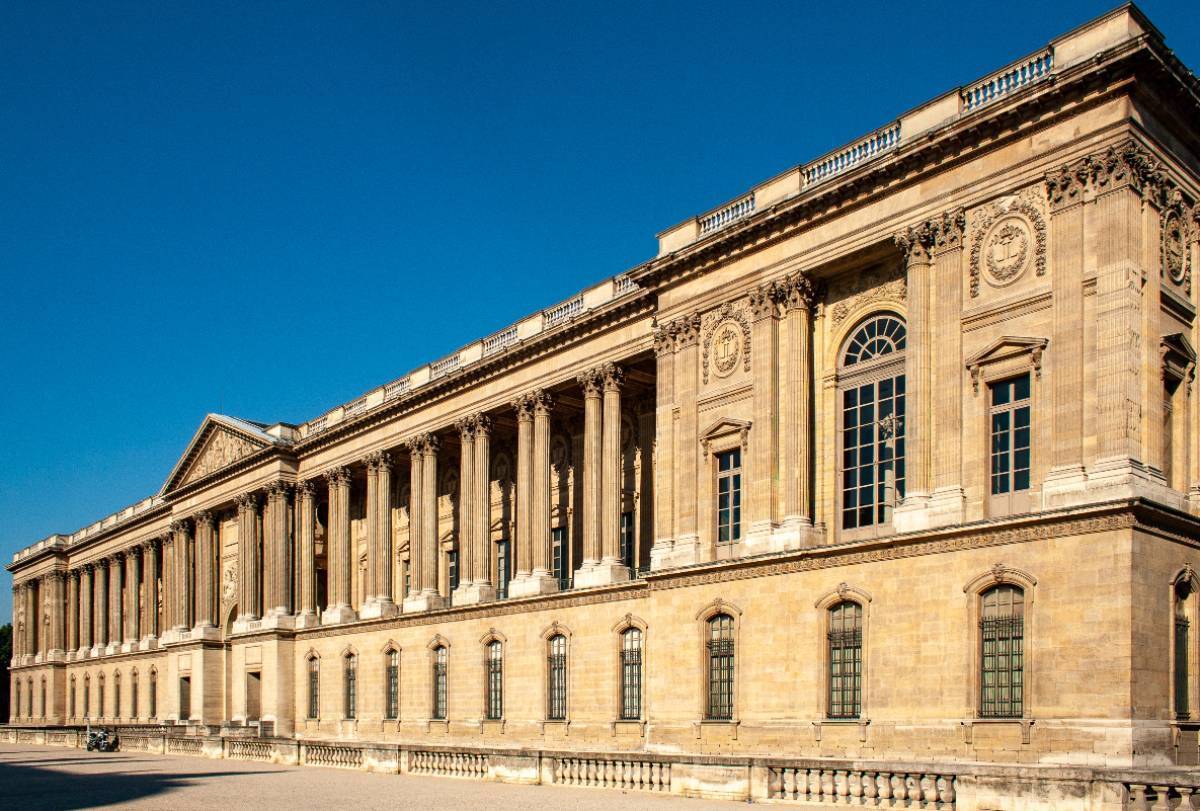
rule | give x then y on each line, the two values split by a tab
43	697
314	687
1181	653
631	674
16	712
440	658
117	694
845	660
351	678
393	685
29	697
87	696
1002	652
133	695
871	390
720	668
71	698
495	680
100	696
556	709
153	693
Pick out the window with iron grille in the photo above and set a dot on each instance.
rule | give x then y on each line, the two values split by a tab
153	694
351	697
116	696
631	674
99	702
314	687
71	695
845	660
439	683
729	496
502	563
392	710
133	697
556	709
1002	652
1183	591
558	556
1010	436
87	696
627	541
720	668
495	680
43	694
185	698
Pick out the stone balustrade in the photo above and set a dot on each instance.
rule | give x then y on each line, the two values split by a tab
842	160
1008	79
448	764
338	756
500	341
1162	796
727	214
561	313
619	773
884	789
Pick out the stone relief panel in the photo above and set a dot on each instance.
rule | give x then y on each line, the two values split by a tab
880	284
726	345
1008	241
222	448
1176	249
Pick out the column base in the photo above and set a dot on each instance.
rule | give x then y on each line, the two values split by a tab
682	551
376	609
95	651
913	514
472	593
148	642
338	614
83	653
244	623
307	619
425	601
1064	485
947	506
112	649
604	573
796	532
531	585
129	646
206	631
56	655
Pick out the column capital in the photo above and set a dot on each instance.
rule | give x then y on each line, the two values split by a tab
916	241
247	501
419	444
305	488
203	518
378	459
337	476
465	427
116	557
948	230
686	329
543	402
523	405
483	425
767	298
278	489
664	339
802	292
58	575
591	381
1065	185
179	525
614	377
432	445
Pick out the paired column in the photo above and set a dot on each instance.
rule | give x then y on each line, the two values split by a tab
206	574
664	434
249	589
100	607
481	505
765	303
180	595
131	599
340	560
73	606
379	602
533	566
58	613
602	470
306	552
277	552
523	557
912	514
150	569
797	471
466	511
86	575
416	569
423	523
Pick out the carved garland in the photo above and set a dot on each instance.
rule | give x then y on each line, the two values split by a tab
984	229
726	314
876	285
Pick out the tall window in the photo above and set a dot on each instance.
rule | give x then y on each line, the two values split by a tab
1183	590
845	660
631	674
185	699
133	695
626	542
1010	436
729	496
720	668
117	695
87	696
1002	652
452	568
871	383
43	697
502	565
495	680
71	697
556	709
153	693
1170	424
439	682
314	687
29	698
351	685
393	685
558	556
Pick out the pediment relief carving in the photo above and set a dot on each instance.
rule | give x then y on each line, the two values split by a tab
1178	357
220	449
725	433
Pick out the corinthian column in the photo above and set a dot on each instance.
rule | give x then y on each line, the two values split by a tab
482	507
686	548
466	516
797	447
430	554
58	614
340	558
592	382
913	513
150	572
115	629
85	609
248	558
664	437
277	555
180	595
306	553
379	601
131	599
100	608
538	579
523	559
415	446
206	570
73	610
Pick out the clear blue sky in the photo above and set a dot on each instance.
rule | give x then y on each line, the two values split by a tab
260	209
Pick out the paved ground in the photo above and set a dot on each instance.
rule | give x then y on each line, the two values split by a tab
37	777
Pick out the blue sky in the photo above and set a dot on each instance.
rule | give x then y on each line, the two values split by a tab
259	209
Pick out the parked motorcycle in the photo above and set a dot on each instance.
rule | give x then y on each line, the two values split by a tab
102	740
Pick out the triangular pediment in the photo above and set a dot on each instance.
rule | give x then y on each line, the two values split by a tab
219	442
1006	346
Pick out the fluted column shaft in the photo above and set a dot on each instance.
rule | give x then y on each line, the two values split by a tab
115	629
797	408
592	384
169	585
206	569
416	479
278	551
370	588
384	556
687	440
481	503
248	557
34	627
429	517
523	564
917	243
466	502
150	568
73	610
58	612
306	548
340	560
760	507
539	506
664	433
131	596
181	571
610	466
100	611
85	607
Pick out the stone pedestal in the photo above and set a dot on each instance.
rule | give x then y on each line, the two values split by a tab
376	609
338	614
602	574
472	593
427	601
947	506
913	515
307	619
531	585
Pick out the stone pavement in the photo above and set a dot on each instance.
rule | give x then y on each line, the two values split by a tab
47	777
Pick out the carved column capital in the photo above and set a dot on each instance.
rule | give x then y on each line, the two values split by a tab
278	489
948	230
1065	185
686	329
179	525
305	488
591	381
379	459
802	292
543	402
418	443
203	518
614	376
247	501
465	427
432	445
664	339
337	476
483	425
765	300
523	405
1125	165
916	241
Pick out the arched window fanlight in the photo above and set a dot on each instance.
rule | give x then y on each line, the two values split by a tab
879	336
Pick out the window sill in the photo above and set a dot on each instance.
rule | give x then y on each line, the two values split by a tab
494	725
716	723
861	723
1026	725
562	726
628	726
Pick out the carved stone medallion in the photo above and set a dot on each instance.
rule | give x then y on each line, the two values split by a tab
1007	251
726	341
1009	238
1174	248
726	348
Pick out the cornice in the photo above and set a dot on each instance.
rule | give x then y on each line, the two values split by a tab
1082	86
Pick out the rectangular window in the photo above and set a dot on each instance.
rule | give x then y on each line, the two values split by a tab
495	682
439	684
631	675
502	564
1182	710
185	698
253	696
1170	386
452	566
153	696
133	700
87	700
845	660
872	452
1010	435
116	698
351	687
627	542
556	709
393	686
729	496
314	688
72	698
720	670
558	556
1002	653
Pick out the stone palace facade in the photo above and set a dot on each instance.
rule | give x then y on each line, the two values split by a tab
878	485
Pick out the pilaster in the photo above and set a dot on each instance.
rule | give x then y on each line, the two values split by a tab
761	505
523	559
150	615
664	434
947	503
913	512
207	570
686	547
796	406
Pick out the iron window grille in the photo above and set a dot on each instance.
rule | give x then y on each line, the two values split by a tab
1002	642
351	686
729	496
133	698
116	696
393	686
72	697
314	688
99	702
845	660
439	684
557	669
87	698
452	566
720	668
153	695
495	681
631	675
1010	434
